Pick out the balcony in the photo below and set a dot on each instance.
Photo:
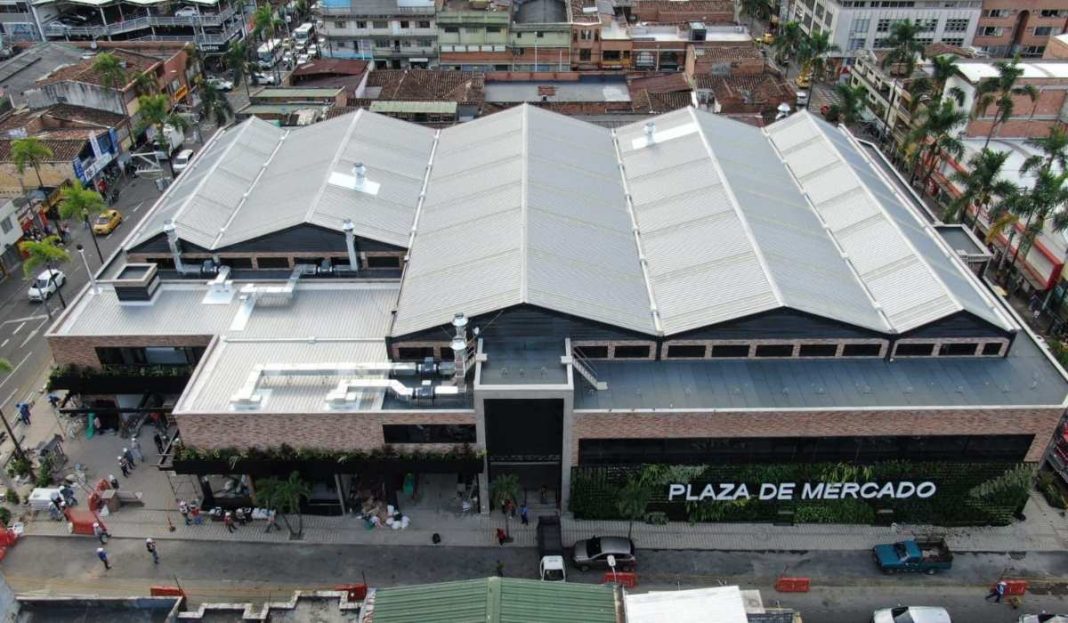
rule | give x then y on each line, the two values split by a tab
404	52
55	29
362	12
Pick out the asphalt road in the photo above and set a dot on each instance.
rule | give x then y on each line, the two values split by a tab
846	585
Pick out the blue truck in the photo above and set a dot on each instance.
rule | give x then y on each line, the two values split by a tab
914	556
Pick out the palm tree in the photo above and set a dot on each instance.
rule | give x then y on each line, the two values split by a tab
238	63
852	103
285	496
904	47
265	20
935	135
156	112
813	53
216	106
1000	92
78	202
982	185
943	68
787	43
756	9
45	252
1055	147
146	83
1043	202
109	68
505	488
30	151
632	501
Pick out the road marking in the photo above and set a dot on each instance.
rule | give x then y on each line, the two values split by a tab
137	207
11	374
28	338
26	319
18	328
5	342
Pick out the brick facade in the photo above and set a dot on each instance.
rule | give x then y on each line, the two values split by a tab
80	350
631	425
326	431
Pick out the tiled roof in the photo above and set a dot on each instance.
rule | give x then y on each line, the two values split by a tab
724	53
667	83
644	101
463	87
136	63
757	89
939	48
332	67
63	149
70	112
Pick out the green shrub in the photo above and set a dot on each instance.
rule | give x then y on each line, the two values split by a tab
5	516
1047	485
12	496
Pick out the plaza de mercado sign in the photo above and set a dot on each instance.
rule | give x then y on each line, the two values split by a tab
788	491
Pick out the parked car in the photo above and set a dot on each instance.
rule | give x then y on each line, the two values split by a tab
263	78
46	284
593	553
187	11
1044	618
220	84
911	614
106	222
914	555
313	50
302	59
181	161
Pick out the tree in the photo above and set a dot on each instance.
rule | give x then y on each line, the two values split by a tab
156	113
904	47
109	68
813	53
1055	149
788	43
30	151
78	202
982	185
505	488
285	497
216	106
756	10
943	68
1000	91
266	22
45	252
633	498
935	136
238	63
146	83
852	103
1041	203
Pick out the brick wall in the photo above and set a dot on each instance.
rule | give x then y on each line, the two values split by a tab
80	350
328	431
599	425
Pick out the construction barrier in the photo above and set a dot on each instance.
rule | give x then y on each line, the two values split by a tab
626	579
8	537
792	585
166	591
356	592
1015	587
81	520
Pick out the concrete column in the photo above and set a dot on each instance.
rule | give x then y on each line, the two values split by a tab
480	439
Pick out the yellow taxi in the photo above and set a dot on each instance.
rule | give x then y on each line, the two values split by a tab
804	79
106	222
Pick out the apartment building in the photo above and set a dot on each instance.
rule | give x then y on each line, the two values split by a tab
1029	119
473	35
1008	27
540	36
394	34
857	25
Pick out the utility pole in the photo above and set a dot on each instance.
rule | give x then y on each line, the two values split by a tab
14	440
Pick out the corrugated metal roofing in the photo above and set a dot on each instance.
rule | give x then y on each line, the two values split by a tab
256	179
910	273
494	600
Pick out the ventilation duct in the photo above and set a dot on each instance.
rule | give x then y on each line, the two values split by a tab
350	245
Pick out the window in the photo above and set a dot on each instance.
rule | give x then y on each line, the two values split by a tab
493	30
997	13
586	35
991	31
957	41
991	349
452	30
632	352
340	23
381	43
423	24
405	23
539	34
425	43
1043	31
860	24
856	44
956	25
238	262
5	225
379	24
361	24
415	353
819	11
774	350
685	350
927	24
861	350
1033	51
585	54
818	350
957	350
383	261
922	349
428	433
883	25
593	352
272	262
610	55
1052	13
730	350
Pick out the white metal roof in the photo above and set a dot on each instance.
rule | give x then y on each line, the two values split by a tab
974	71
721	604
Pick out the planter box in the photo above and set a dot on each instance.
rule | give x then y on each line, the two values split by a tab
329	467
121	383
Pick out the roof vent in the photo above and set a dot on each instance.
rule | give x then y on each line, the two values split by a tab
650	132
136	283
356	181
359	171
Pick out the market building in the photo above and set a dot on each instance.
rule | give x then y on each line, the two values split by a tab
690	297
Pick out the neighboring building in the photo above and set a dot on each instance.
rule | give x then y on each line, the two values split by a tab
473	35
538	296
394	34
212	25
434	97
728	59
293	106
1007	27
741	94
540	35
857	25
21	72
887	99
675	12
1028	119
1057	48
22	20
347	74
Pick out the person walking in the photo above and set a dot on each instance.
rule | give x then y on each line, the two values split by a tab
183	509
135	449
24	412
150	545
997	591
228	521
272	521
53	400
126	454
124	466
524	514
159	443
101	533
500	569
113	481
102	554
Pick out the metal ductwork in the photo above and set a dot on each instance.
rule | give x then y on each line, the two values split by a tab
459	351
650	132
359	171
350	244
174	244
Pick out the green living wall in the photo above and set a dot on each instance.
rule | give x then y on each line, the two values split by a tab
969	494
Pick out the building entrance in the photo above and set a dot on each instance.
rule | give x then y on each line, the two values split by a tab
525	438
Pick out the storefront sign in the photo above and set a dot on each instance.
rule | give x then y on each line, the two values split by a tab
788	491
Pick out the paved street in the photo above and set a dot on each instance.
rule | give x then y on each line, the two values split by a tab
847	587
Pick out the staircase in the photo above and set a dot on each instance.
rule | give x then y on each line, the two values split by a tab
586	370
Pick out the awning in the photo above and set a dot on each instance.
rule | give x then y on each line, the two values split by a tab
93	2
205	2
144	2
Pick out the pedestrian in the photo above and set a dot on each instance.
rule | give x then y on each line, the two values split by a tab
997	591
159	443
135	449
228	521
68	495
194	514
24	412
500	569
103	556
150	545
524	514
126	454
183	509
85	219
113	481
124	466
53	400
96	423
502	536
272	521
101	533
64	232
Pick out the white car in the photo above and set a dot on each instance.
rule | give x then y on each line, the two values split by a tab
313	50
187	11
181	161
263	78
911	614
220	84
46	284
302	59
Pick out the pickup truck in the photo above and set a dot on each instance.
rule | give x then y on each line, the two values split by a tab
915	555
550	549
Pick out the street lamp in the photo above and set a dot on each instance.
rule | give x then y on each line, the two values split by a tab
89	226
14	440
92	278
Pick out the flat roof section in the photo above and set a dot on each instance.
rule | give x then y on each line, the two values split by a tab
1024	378
959	238
523	362
561	91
